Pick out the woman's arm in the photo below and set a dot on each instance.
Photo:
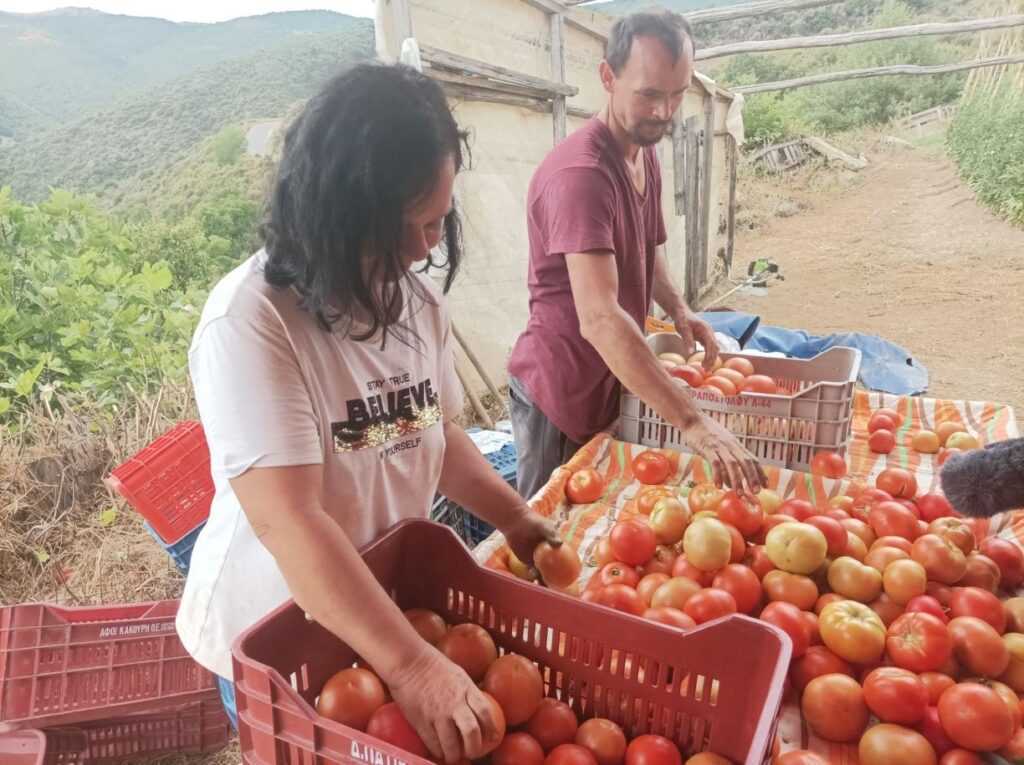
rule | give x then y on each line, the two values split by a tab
330	581
468	479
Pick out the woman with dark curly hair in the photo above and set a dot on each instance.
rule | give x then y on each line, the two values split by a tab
324	373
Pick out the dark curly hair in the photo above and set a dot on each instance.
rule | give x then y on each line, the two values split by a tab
363	151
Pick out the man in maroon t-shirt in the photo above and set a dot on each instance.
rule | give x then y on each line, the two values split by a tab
597	258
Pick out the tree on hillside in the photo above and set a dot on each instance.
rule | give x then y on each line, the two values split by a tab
228	144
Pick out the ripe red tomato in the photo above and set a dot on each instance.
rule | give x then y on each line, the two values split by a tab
390	726
933	506
790	620
942	560
661	563
742	365
945	454
649	496
882	441
978	647
584	487
651	467
742	583
603	739
960	756
835	534
892	414
429	625
622	598
936	684
918	642
739	512
834	707
881	421
828	464
817	661
351	697
709	604
683	568
974	601
553	724
898	482
931	728
896	695
618	573
891	519
653	750
957	531
865	500
470	647
673	617
759	384
570	754
516	684
981	572
558	566
1008	557
632	543
800	509
926	604
689	374
975	717
758	561
518	749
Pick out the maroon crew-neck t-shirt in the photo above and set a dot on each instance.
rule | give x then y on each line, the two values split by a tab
582	199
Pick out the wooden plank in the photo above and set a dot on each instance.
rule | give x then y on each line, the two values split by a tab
574	17
445	76
403	20
461	64
881	71
732	152
470	92
679	163
706	168
691	165
558	74
747	10
870	35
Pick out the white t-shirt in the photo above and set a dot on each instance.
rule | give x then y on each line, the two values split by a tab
275	389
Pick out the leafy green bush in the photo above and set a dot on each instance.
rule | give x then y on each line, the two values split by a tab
229	144
84	318
986	138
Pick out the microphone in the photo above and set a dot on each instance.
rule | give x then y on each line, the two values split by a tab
985	482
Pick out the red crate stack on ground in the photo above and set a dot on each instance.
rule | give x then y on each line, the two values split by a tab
100	685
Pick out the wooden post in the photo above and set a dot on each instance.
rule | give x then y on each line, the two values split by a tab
679	162
558	73
732	150
691	167
474	399
401	17
706	168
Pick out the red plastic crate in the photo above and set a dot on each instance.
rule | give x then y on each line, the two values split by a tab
36	747
169	481
64	666
716	687
200	727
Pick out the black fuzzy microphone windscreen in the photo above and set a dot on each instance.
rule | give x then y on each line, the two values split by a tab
985	482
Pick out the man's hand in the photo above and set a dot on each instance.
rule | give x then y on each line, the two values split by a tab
526	531
731	464
693	328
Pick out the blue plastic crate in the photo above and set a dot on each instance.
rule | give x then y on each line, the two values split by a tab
473	530
180	551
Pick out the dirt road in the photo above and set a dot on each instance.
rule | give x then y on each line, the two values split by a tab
902	251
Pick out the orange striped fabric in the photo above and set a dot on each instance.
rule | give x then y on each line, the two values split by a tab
584	526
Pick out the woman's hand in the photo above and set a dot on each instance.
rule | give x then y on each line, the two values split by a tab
440	701
526	530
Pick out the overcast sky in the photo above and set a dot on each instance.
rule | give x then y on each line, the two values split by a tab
192	10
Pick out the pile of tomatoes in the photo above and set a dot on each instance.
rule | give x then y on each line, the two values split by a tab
947	439
900	643
533	730
727	378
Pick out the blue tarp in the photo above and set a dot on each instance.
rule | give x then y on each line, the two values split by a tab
884	366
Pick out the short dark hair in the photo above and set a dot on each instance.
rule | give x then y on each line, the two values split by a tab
669	28
364	149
